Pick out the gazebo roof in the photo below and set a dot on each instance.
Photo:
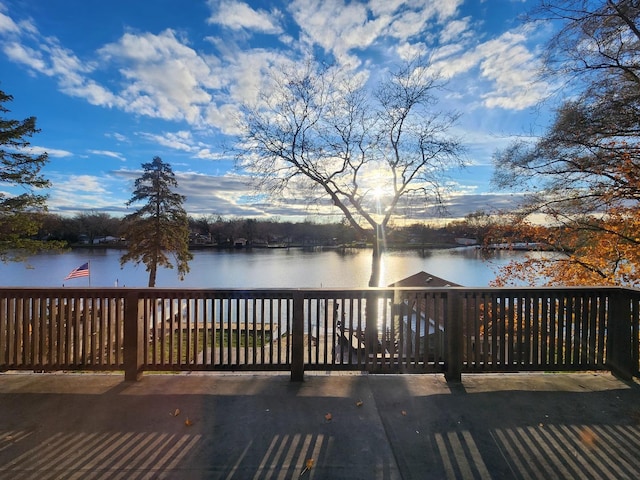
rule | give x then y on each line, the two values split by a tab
424	279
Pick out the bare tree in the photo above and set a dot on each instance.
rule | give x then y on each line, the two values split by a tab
321	131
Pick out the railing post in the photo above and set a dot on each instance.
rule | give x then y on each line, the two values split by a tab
619	340
133	337
297	338
371	323
453	334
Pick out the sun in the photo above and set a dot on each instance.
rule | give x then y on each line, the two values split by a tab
378	192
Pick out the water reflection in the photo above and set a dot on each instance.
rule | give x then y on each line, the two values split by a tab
263	268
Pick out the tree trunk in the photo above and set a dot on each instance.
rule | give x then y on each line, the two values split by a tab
376	260
152	275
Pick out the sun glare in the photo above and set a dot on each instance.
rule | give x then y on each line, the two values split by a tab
378	192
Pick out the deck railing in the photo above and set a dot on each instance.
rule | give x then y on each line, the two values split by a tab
449	330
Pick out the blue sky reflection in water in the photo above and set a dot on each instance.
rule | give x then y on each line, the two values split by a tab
261	268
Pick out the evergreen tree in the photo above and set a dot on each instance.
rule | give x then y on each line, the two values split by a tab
20	214
160	227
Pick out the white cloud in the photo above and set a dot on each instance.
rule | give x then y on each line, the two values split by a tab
52	152
82	183
27	56
507	65
341	27
93	93
336	26
165	78
207	154
108	153
238	16
512	68
455	30
52	60
118	136
77	192
7	25
182	140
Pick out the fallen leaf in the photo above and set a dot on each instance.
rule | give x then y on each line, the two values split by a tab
328	417
188	422
307	466
175	413
359	403
588	437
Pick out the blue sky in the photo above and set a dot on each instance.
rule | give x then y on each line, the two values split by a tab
115	83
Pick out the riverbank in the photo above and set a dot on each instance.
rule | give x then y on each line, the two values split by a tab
308	247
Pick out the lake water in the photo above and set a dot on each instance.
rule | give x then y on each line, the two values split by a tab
261	268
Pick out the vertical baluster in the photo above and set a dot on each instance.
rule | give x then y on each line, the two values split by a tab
38	331
12	324
5	329
325	321
584	329
21	331
510	306
574	329
484	332
102	326
536	329
230	319
478	340
175	352
30	323
602	328
526	337
187	327
544	332
555	336
563	329
207	326
225	308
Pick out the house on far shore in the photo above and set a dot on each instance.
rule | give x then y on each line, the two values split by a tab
422	317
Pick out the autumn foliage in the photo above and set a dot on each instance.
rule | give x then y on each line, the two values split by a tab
601	247
581	178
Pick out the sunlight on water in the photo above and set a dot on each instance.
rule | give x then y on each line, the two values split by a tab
261	268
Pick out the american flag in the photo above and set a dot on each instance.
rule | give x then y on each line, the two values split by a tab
81	271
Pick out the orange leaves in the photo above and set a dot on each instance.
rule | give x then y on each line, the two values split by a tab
601	249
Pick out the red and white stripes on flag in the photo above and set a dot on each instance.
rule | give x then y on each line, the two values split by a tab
81	271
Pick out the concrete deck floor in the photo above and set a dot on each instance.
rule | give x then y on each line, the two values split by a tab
583	425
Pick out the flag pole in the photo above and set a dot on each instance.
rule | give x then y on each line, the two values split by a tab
89	265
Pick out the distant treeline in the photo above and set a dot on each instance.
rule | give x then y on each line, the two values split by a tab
103	229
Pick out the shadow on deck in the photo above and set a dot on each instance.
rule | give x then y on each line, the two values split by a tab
264	426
